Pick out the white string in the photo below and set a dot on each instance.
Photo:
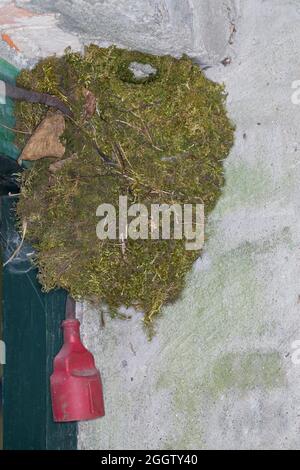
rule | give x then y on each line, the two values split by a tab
17	250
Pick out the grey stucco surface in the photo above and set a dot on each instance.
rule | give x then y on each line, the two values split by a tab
158	26
218	373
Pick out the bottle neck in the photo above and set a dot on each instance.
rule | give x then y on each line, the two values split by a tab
71	330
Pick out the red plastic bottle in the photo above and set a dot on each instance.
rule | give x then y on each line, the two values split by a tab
76	387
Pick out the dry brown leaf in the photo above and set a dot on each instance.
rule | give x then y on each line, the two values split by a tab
45	142
90	104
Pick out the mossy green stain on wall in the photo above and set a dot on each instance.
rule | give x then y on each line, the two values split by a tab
238	373
246	186
197	360
246	371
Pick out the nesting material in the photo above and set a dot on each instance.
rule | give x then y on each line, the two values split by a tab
159	137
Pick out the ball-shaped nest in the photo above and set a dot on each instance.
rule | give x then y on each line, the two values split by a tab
167	135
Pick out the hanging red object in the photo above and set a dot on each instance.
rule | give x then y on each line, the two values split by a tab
76	388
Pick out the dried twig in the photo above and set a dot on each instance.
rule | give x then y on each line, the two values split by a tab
21	94
14	130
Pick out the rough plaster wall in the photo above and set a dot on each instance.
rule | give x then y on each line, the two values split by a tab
219	373
158	26
34	35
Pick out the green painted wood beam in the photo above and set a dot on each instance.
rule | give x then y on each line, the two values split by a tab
32	333
8	73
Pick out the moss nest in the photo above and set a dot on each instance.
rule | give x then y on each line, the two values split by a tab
167	134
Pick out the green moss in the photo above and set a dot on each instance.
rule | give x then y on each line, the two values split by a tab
168	136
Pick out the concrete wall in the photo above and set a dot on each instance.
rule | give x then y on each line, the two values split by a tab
219	373
199	28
